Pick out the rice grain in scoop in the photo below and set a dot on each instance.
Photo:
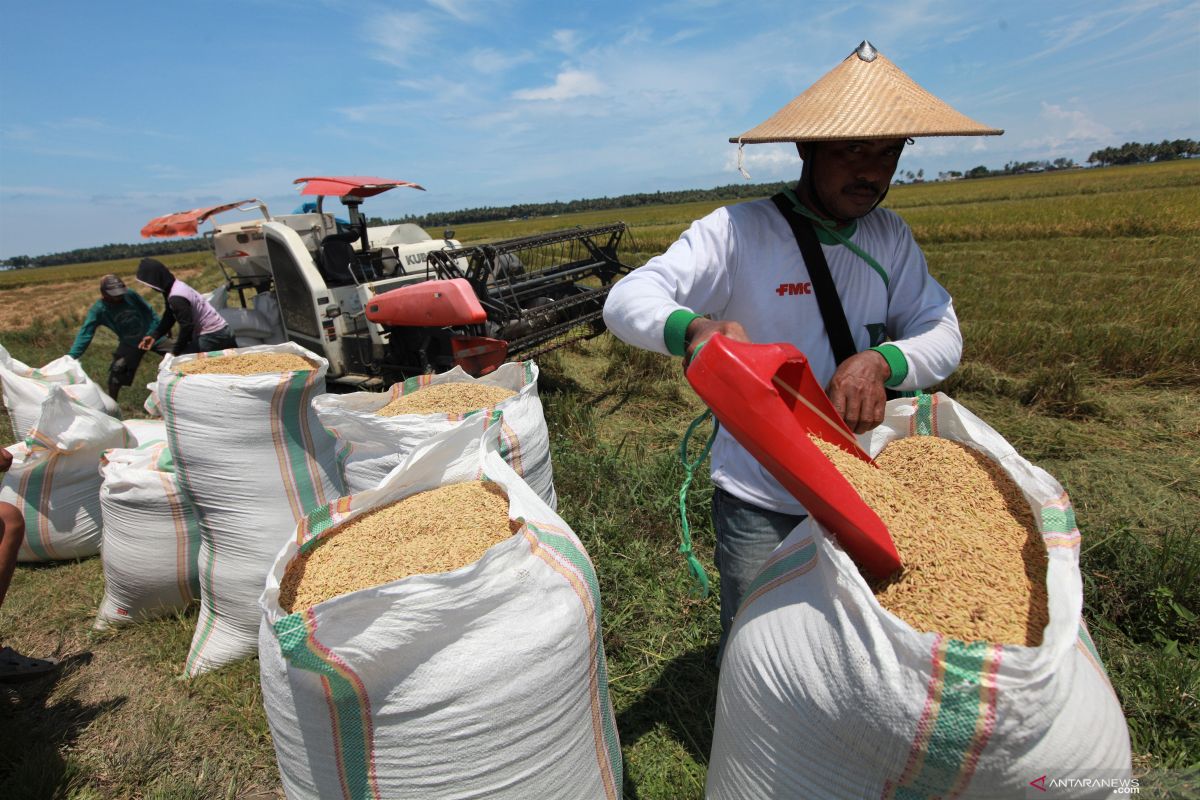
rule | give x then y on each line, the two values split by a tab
246	364
447	398
438	530
974	561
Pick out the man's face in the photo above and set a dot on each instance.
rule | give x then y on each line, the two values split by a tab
849	177
113	301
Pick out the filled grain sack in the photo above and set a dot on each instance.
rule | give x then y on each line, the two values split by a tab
376	431
248	325
146	431
488	680
151	537
252	459
826	693
26	388
55	479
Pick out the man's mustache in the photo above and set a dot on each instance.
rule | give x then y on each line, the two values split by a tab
864	186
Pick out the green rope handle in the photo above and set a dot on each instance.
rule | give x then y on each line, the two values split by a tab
685	547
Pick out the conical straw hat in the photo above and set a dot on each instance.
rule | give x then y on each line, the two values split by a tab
864	97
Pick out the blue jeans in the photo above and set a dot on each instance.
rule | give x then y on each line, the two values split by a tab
746	536
217	340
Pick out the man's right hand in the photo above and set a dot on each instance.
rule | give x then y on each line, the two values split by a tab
701	329
146	343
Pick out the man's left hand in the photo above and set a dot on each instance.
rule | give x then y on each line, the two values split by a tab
857	390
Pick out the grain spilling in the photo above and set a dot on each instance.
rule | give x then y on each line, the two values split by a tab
246	364
432	531
974	561
447	398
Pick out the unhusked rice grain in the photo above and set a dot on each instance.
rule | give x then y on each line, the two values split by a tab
974	561
447	398
438	530
246	364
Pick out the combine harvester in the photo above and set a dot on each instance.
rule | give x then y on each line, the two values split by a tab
386	303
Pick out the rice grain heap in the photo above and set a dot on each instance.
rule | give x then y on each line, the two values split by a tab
246	364
438	530
974	561
447	398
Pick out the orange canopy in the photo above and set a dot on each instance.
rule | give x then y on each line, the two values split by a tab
185	223
351	186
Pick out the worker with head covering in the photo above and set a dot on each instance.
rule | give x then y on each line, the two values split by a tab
201	328
127	315
820	266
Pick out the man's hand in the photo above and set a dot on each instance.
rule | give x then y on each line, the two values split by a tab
146	343
6	459
857	390
701	330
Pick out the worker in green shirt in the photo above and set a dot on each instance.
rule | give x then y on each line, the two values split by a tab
127	315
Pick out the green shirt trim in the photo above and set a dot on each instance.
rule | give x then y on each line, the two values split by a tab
827	233
675	331
896	361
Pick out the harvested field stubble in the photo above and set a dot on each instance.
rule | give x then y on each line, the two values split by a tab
974	561
438	530
447	398
247	364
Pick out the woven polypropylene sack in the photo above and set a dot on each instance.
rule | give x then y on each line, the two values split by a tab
55	479
151	537
252	459
824	693
370	446
26	388
146	431
488	681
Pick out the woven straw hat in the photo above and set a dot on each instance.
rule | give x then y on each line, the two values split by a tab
864	97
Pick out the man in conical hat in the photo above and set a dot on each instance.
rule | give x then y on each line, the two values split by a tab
820	266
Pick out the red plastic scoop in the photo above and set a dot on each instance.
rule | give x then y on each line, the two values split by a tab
766	396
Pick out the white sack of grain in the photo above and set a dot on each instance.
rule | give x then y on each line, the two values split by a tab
370	446
267	306
249	327
151	537
55	479
488	681
26	388
823	693
146	431
251	458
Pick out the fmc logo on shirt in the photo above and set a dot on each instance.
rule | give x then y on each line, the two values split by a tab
793	288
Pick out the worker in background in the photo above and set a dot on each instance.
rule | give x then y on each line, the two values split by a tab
13	665
127	315
739	271
201	328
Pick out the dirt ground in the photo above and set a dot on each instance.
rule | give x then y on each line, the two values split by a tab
71	299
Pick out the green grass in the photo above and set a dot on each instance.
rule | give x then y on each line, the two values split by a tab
1080	350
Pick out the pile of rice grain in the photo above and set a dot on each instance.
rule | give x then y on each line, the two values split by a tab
974	561
447	398
438	530
246	364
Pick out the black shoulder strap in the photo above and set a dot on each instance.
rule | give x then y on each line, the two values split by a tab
828	301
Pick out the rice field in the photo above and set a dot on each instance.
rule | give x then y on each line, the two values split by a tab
1074	290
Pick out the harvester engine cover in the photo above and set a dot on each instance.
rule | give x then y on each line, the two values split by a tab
431	304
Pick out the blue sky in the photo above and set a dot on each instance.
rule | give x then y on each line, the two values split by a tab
114	113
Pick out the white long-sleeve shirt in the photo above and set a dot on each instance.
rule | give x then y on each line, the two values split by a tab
742	263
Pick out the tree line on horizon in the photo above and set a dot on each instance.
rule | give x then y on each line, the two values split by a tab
1128	153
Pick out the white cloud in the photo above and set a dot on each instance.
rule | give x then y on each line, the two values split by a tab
766	162
566	40
399	35
568	84
455	8
490	61
1063	127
